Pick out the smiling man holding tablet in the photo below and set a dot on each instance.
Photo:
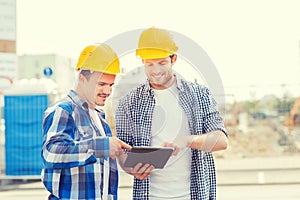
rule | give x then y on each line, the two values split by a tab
169	111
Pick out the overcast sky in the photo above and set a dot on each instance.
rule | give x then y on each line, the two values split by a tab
251	42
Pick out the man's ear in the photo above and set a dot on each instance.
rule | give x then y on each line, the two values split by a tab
174	58
81	78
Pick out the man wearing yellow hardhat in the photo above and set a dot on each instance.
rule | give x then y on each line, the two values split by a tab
170	111
78	150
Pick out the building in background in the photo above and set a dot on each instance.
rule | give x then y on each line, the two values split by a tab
14	67
58	68
8	57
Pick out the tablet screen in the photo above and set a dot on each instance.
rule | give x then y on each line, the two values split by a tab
156	156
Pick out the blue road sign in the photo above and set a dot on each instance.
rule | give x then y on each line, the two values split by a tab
48	71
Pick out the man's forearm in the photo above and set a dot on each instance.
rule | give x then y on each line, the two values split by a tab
212	141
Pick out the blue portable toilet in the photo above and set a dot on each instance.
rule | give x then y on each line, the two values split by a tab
24	106
23	115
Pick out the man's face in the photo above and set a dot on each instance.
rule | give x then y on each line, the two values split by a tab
98	88
159	72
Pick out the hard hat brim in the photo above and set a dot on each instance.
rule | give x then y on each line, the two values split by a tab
152	53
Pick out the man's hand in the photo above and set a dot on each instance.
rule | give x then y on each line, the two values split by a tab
209	142
141	171
176	148
116	147
183	141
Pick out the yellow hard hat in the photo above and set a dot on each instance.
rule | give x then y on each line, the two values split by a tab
155	43
99	57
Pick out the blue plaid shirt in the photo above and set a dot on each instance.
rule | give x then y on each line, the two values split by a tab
133	126
74	159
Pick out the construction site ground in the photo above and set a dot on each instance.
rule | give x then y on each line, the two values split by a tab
260	139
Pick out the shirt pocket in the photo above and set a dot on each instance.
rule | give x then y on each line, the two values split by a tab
83	132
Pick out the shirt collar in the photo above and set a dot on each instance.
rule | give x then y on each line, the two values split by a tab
179	82
78	100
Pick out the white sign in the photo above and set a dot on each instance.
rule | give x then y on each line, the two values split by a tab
9	65
8	20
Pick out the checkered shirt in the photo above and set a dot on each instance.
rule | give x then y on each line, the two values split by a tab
134	121
74	159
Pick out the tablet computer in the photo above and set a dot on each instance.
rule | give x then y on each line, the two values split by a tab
156	156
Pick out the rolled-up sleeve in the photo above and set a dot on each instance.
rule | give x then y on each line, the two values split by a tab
212	119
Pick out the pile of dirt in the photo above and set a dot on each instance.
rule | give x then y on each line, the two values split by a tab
259	140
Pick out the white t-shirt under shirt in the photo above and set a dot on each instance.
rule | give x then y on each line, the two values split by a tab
97	122
169	122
